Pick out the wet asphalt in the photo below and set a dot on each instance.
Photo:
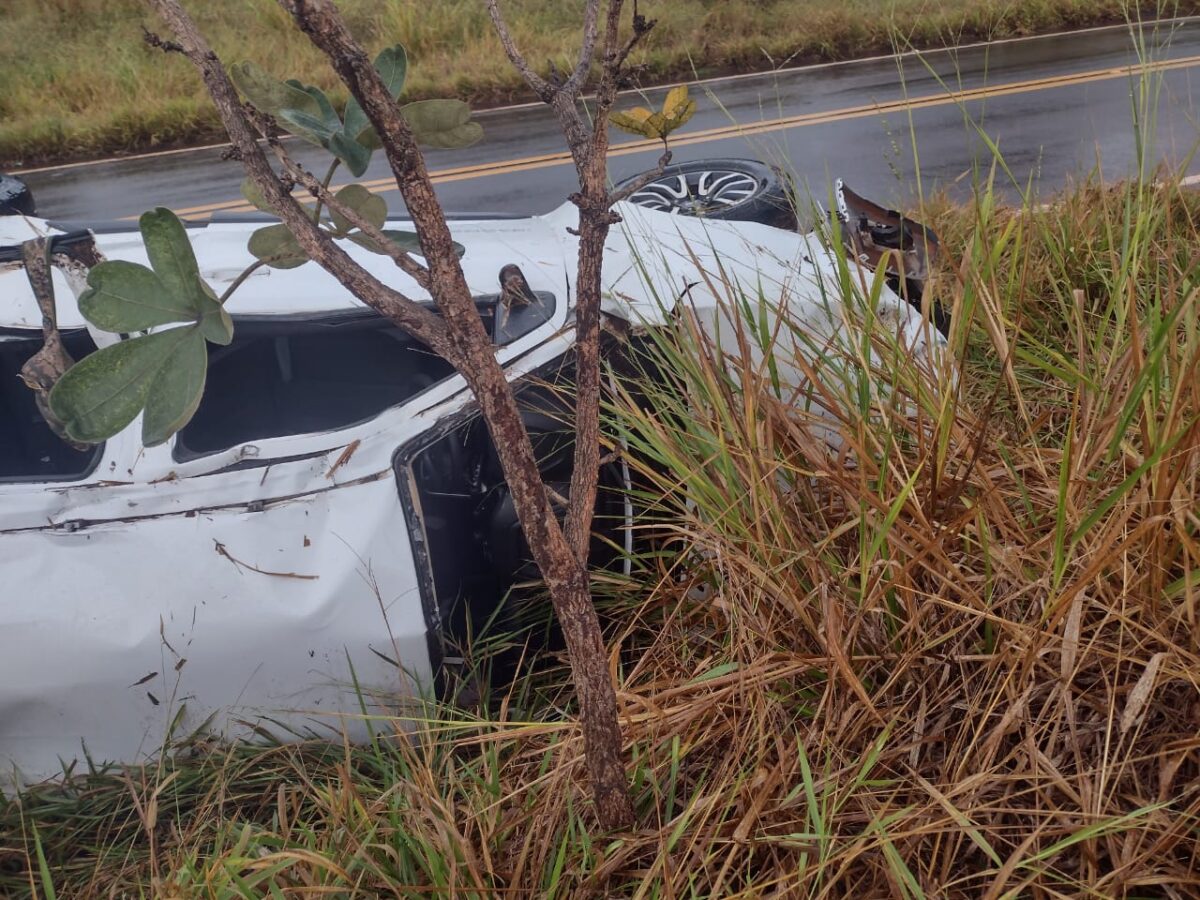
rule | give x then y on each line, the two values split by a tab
1055	107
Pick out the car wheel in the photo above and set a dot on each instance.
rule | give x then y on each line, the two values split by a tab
737	190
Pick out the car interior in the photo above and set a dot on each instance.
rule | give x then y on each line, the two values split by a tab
478	569
286	375
29	449
281	377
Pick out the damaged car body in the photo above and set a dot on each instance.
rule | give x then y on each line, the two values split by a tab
308	550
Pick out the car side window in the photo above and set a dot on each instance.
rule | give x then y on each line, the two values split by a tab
283	376
29	449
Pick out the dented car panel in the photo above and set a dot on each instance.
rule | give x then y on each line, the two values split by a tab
261	573
223	618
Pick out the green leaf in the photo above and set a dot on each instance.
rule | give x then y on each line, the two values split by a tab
171	256
306	127
370	206
442	124
43	868
359	127
276	246
351	152
176	391
329	135
270	95
215	323
324	128
367	138
405	240
254	196
124	297
715	672
101	394
392	65
327	114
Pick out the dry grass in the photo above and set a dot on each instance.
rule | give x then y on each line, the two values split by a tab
78	82
964	665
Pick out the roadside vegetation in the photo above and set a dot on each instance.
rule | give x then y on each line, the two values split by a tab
957	658
79	83
951	653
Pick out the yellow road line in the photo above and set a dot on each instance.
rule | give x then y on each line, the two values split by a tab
527	163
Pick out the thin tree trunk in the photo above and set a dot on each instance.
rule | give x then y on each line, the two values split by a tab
459	336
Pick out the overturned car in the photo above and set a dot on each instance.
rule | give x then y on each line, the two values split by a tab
310	546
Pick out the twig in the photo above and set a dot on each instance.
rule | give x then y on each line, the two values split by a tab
587	50
641	27
642	180
242	276
333	167
153	40
238	564
539	85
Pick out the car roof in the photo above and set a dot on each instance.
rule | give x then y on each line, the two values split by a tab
652	259
536	244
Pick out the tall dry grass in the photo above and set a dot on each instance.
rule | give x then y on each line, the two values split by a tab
965	664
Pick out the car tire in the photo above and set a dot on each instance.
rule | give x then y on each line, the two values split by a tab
735	190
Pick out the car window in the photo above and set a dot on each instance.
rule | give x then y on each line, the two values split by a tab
284	377
29	449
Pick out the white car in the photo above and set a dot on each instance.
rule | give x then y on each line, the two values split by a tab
318	533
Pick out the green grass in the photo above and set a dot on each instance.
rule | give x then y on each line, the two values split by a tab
78	81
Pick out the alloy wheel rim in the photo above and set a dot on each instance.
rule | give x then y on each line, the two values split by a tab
697	193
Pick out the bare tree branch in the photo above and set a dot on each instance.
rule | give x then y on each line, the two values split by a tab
409	315
587	49
561	552
588	143
595	218
542	88
641	181
641	28
321	22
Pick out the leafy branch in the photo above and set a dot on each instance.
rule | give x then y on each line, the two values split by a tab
161	373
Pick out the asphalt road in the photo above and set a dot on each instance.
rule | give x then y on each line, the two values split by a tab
1055	106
